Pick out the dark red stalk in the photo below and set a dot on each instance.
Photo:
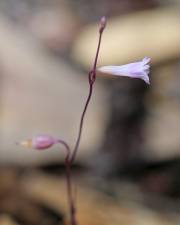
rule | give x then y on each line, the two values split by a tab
92	78
71	157
69	183
69	189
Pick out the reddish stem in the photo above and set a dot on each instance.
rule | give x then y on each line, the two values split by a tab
70	196
69	183
92	78
70	158
81	123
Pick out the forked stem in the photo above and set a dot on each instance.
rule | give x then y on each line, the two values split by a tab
71	157
71	202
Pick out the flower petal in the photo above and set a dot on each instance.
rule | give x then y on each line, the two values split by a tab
139	70
146	60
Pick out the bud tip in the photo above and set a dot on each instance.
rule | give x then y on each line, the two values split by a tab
103	22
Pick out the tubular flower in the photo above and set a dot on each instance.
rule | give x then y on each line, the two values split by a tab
39	142
139	69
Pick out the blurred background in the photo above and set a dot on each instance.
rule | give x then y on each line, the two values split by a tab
128	165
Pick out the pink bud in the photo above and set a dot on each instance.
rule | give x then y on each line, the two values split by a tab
39	142
102	24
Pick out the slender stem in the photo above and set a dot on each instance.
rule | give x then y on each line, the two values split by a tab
92	78
65	145
97	53
71	203
70	195
81	123
71	157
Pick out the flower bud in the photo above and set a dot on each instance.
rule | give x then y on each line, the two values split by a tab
102	24
39	142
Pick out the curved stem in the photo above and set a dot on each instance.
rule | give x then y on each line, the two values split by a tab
92	78
81	124
65	145
71	157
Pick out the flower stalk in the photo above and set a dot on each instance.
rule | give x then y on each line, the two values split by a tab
92	78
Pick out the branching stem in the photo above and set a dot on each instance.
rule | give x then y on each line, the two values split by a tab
70	157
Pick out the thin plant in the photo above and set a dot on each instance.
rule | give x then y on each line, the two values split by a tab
138	69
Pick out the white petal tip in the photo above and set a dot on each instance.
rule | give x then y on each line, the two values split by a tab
146	60
146	80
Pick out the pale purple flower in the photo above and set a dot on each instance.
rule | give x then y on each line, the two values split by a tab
39	142
134	70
